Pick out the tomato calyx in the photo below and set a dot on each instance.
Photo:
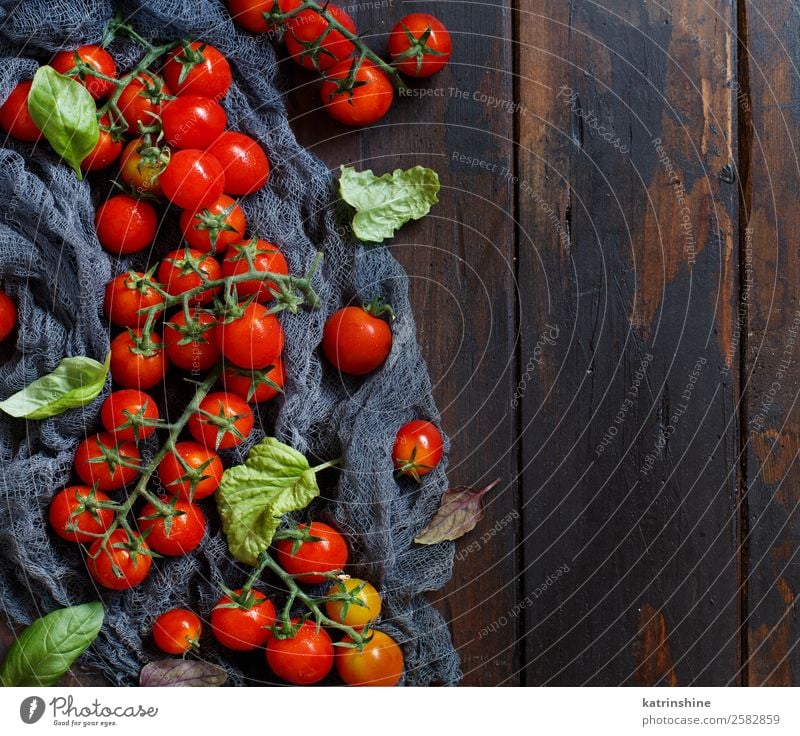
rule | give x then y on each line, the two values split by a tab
346	85
112	458
215	224
257	379
377	308
412	467
133	543
224	424
84	504
143	344
192	330
418	48
168	512
189	58
299	535
138	422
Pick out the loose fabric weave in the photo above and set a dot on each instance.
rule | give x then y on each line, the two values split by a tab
53	266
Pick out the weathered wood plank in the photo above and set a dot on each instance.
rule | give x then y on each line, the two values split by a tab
461	262
628	210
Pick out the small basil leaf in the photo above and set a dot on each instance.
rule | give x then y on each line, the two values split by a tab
251	498
459	512
65	112
74	383
49	646
182	673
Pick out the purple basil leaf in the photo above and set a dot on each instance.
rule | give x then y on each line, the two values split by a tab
458	514
182	673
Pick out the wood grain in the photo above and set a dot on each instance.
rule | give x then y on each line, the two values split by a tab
629	434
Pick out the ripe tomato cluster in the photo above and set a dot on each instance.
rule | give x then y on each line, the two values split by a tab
299	650
358	86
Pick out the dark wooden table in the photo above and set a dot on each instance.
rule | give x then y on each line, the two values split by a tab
609	308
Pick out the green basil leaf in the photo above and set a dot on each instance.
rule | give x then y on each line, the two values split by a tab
65	112
385	203
251	498
49	646
74	383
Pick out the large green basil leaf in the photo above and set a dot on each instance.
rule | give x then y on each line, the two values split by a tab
74	383
251	498
385	203
65	112
49	646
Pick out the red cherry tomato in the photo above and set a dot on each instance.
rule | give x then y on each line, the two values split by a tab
191	471
98	462
243	625
198	69
419	45
417	449
125	225
97	58
222	421
327	555
355	341
214	227
302	659
105	151
307	27
243	160
141	101
121	563
253	340
126	295
178	273
129	414
249	14
176	535
8	315
141	165
192	121
135	363
265	256
191	345
14	116
255	386
177	631
380	663
74	516
192	179
363	104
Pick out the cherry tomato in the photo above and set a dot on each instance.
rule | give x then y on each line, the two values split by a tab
380	663
254	386
199	69
105	151
141	165
176	535
302	659
193	179
192	121
121	563
97	462
222	421
417	449
362	611
243	160
178	273
214	227
304	29
14	116
265	256
141	101
135	362
327	555
363	104
126	295
191	345
94	56
125	225
8	315
177	631
74	516
191	471
245	624
419	45
129	414
355	341
253	340
249	14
